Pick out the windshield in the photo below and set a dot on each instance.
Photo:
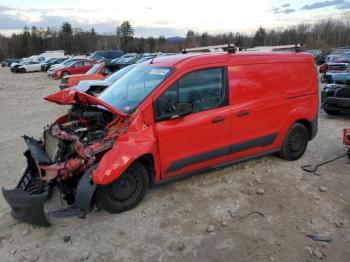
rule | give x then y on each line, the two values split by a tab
93	69
145	59
129	91
67	62
345	56
50	60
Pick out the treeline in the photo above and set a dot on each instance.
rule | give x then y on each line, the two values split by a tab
324	34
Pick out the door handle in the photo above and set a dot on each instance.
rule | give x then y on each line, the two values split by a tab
218	120
242	113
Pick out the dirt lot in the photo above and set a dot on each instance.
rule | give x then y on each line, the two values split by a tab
172	222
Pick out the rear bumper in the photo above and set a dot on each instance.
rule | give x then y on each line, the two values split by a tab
337	103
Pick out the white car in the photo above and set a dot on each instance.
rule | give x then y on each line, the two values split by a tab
30	66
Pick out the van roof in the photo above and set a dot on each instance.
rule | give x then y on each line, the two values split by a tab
208	58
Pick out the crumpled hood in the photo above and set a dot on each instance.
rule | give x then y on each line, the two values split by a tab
74	96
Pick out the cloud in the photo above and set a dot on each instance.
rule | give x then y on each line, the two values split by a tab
285	5
344	6
286	11
283	9
323	4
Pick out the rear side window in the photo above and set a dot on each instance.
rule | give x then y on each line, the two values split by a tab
203	89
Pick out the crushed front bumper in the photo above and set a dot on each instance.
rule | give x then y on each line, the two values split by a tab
28	198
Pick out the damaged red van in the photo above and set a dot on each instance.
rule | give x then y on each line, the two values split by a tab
173	116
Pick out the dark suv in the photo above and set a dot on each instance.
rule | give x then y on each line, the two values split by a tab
107	55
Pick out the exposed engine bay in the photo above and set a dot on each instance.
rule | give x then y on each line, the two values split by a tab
65	157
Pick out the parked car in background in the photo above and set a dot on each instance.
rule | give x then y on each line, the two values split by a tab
106	55
333	60
318	55
8	62
95	87
76	67
30	66
127	60
15	67
54	61
99	71
145	58
63	64
337	73
335	98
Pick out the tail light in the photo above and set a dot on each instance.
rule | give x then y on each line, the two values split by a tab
346	137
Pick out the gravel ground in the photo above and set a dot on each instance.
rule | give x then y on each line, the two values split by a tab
260	210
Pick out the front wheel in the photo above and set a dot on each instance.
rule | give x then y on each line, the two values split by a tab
22	70
295	143
125	192
65	73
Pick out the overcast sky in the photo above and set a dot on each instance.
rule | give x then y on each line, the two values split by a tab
164	17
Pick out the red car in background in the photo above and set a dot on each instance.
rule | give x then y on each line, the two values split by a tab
98	71
78	67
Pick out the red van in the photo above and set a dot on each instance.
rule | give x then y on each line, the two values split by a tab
173	116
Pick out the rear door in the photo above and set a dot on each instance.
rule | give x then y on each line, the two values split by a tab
201	138
259	106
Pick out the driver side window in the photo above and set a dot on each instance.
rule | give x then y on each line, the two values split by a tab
203	89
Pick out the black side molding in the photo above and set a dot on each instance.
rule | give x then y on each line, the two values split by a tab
230	149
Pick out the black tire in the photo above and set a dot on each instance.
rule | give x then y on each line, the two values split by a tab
22	70
332	112
126	192
295	143
64	73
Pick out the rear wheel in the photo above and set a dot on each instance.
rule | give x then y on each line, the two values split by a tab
125	192
295	143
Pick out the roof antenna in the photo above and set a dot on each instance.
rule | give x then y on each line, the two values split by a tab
151	62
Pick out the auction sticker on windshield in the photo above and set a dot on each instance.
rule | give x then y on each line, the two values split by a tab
159	71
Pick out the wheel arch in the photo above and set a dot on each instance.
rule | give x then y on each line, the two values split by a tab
148	161
308	126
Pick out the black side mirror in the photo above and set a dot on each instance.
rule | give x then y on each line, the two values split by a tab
182	109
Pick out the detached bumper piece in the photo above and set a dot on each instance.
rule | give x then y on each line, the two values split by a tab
27	200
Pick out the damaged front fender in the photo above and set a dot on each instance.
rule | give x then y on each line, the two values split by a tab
139	141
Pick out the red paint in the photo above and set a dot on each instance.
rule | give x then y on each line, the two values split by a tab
346	137
73	70
267	94
73	80
276	89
